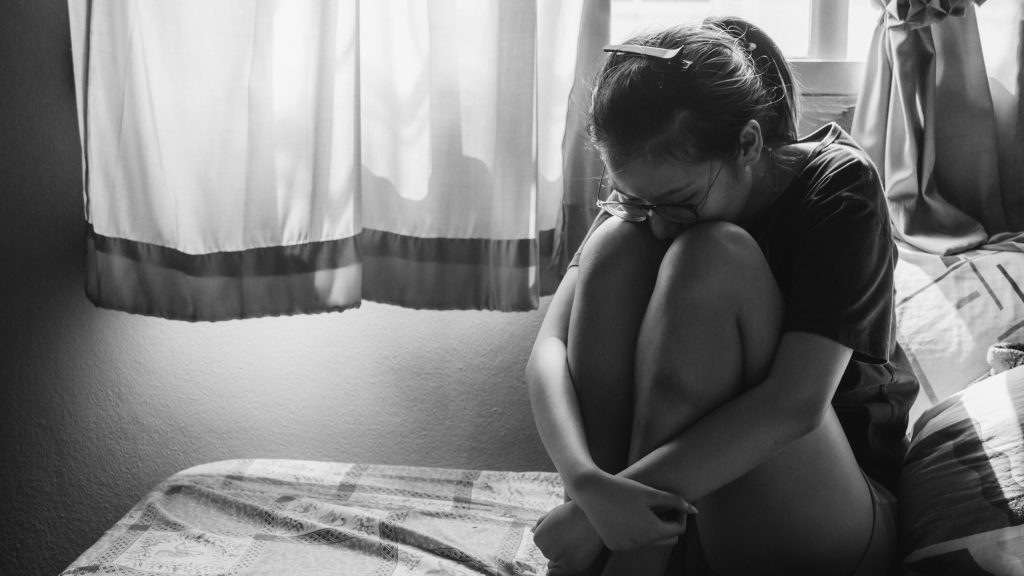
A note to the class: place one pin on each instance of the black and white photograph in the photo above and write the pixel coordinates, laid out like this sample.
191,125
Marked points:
511,287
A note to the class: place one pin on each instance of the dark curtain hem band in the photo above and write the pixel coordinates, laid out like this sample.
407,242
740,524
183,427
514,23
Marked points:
313,256
429,273
272,261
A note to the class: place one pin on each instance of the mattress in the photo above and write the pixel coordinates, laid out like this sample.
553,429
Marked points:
266,516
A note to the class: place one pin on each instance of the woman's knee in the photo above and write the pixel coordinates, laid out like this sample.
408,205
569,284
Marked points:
714,252
620,249
713,320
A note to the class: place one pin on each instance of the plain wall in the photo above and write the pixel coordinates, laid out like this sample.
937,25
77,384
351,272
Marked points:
98,406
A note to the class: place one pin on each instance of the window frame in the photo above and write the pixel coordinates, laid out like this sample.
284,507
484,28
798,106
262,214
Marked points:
828,77
828,70
830,29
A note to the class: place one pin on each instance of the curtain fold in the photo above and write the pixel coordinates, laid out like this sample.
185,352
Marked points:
926,117
252,158
582,167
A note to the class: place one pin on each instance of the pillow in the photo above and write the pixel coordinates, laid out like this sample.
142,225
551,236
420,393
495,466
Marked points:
950,309
962,485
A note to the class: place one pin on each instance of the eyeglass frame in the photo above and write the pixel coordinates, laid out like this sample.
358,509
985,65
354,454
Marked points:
649,209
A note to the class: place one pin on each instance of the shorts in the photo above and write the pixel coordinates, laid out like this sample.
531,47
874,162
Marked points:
880,555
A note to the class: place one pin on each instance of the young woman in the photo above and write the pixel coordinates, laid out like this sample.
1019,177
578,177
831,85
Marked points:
724,340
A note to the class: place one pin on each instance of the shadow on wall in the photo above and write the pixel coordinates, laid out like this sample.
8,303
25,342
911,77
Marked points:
41,232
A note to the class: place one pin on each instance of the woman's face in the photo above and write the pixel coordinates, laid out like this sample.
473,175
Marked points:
715,189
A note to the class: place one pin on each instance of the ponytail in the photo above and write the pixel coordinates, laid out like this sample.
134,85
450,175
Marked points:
780,123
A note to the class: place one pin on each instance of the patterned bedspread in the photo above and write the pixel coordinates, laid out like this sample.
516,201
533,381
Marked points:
950,309
271,517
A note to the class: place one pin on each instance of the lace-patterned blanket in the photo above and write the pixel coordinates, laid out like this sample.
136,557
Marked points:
273,517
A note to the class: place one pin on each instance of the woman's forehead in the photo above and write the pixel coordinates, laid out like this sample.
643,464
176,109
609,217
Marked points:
648,163
657,181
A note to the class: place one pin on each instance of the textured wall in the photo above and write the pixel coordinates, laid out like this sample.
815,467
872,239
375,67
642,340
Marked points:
97,406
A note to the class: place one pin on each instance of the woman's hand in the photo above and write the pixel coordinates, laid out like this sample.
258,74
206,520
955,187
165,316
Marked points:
567,540
627,514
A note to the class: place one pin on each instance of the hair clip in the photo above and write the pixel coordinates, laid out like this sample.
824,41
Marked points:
665,54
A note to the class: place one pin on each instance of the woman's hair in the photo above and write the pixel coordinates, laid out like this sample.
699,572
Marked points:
644,106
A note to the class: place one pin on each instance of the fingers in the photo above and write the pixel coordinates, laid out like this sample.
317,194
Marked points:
659,499
652,533
666,534
556,570
669,529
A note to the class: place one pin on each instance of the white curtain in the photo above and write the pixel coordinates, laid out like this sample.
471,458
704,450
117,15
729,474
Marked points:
247,158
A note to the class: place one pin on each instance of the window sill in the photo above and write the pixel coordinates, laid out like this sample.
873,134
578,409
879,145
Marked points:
828,77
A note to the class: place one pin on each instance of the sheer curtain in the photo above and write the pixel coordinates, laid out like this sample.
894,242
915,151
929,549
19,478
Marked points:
247,158
927,117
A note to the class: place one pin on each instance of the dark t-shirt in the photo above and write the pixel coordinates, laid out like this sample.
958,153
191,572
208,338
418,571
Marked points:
828,242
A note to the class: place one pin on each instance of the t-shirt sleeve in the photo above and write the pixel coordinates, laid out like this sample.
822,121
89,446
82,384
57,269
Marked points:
601,217
842,284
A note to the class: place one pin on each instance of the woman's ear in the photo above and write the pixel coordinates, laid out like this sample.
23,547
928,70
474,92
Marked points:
750,144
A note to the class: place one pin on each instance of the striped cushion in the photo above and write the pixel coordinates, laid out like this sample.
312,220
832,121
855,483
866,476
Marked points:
962,486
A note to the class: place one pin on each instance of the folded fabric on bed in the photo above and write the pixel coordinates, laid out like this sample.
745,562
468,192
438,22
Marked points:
962,486
303,517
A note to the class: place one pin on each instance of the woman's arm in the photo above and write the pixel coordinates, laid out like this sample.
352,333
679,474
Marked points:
722,446
552,394
748,430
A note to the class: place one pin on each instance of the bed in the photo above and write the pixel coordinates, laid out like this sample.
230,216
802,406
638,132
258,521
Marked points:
961,501
310,518
962,485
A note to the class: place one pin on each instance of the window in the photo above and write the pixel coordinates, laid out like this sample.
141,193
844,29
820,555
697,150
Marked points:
1000,26
804,29
826,40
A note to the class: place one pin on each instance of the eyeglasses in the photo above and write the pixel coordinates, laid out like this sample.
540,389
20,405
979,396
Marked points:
638,212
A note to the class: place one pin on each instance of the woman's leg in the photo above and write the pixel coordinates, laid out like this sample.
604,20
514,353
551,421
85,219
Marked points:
617,273
710,331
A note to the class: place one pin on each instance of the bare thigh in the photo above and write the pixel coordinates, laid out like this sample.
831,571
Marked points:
617,273
807,510
710,332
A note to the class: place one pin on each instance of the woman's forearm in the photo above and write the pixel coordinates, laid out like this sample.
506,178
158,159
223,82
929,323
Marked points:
746,431
556,411
726,443
553,397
